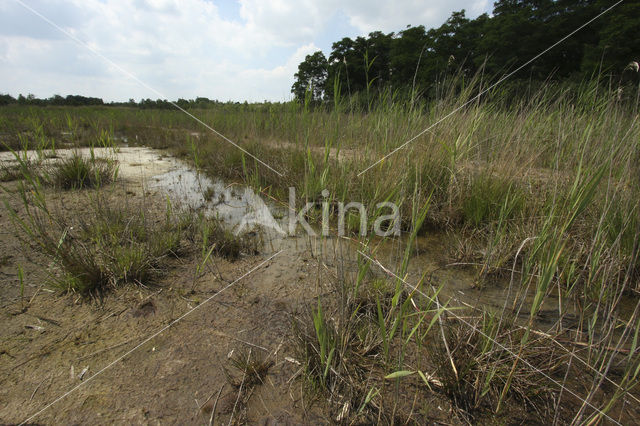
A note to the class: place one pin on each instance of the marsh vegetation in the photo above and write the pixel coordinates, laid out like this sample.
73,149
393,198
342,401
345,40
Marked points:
536,197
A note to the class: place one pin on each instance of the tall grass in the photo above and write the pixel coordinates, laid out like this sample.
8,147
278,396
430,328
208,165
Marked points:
541,189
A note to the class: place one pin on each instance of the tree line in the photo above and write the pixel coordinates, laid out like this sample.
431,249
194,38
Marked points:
78,100
70,100
415,59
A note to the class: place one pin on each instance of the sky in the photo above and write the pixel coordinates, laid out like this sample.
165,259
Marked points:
229,50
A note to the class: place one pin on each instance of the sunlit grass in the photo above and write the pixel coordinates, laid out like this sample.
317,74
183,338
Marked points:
542,190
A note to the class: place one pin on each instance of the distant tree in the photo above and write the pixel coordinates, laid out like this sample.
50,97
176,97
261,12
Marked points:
360,64
78,100
522,29
183,103
6,99
455,45
202,102
513,36
379,54
56,100
312,77
342,58
517,31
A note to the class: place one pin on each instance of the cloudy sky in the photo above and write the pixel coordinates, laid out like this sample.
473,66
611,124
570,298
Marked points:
222,49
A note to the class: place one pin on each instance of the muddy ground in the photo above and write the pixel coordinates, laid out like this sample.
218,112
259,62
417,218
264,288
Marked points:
49,339
132,356
62,353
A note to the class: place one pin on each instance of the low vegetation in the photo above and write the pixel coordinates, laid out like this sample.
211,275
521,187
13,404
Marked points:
108,243
537,195
77,172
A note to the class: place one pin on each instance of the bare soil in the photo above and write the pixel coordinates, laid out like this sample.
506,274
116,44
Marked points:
53,343
65,358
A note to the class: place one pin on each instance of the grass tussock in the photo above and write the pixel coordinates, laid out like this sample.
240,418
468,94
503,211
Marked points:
374,344
476,368
253,366
9,173
338,359
77,172
211,234
109,244
248,370
104,247
376,355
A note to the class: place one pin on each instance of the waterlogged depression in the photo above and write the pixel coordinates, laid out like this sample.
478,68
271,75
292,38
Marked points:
242,210
257,311
239,207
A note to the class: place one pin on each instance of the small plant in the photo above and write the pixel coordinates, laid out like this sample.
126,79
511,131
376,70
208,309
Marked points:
76,172
108,246
217,239
253,366
73,172
491,199
10,173
337,357
209,193
475,368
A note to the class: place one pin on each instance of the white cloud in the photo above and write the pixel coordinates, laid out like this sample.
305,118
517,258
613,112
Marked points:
184,48
388,16
279,78
287,21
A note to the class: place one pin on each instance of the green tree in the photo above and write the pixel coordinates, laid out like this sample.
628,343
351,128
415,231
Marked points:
6,99
361,63
618,41
517,31
407,51
456,45
311,77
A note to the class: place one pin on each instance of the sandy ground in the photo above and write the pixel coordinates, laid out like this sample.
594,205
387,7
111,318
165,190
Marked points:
68,359
53,344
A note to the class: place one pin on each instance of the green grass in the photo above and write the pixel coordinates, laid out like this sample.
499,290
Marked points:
487,200
77,172
104,243
104,247
542,190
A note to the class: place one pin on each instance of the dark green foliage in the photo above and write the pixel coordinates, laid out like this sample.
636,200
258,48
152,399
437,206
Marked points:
415,59
311,77
6,99
57,100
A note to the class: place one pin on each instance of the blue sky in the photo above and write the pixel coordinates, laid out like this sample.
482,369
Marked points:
222,49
